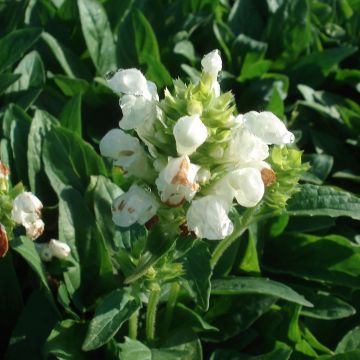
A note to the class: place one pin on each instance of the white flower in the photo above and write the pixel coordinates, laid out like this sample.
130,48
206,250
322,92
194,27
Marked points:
34,229
125,150
268,127
136,205
211,63
27,212
129,82
189,133
59,249
208,218
244,146
137,110
176,182
245,184
54,248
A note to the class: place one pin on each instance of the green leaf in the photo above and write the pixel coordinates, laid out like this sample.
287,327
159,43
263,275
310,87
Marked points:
350,342
321,165
70,116
41,125
92,273
11,301
110,315
313,68
254,285
326,307
15,44
148,50
6,80
352,355
134,350
98,36
324,200
25,342
331,259
65,340
69,160
26,248
71,64
196,263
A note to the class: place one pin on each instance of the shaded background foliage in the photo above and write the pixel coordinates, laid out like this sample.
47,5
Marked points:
296,58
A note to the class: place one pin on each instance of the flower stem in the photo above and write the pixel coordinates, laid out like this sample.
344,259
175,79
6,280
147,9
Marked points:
170,306
151,314
133,325
240,226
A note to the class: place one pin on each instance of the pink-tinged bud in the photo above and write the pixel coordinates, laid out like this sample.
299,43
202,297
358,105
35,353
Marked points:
4,241
4,176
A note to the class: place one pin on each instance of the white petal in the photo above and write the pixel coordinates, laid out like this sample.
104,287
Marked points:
189,133
129,82
268,127
35,229
136,205
119,147
244,146
176,182
59,249
248,185
137,110
208,218
44,251
211,63
28,202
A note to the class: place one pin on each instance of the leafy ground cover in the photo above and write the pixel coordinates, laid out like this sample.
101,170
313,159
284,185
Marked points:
286,289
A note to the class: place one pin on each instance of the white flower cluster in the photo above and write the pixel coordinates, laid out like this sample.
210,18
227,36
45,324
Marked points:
26,211
235,167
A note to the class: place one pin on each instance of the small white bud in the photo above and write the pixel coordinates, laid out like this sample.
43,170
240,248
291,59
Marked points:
136,205
176,182
203,176
208,218
189,133
268,127
211,63
59,249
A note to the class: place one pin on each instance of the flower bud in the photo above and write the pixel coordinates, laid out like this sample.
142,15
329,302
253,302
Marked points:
59,249
203,176
125,150
4,241
4,176
211,63
176,182
268,127
129,82
136,205
189,133
208,218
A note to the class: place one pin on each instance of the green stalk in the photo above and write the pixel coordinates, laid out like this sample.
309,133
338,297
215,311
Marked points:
133,325
170,306
240,226
151,314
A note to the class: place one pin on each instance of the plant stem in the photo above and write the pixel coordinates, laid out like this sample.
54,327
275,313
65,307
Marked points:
170,306
133,325
240,226
151,314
